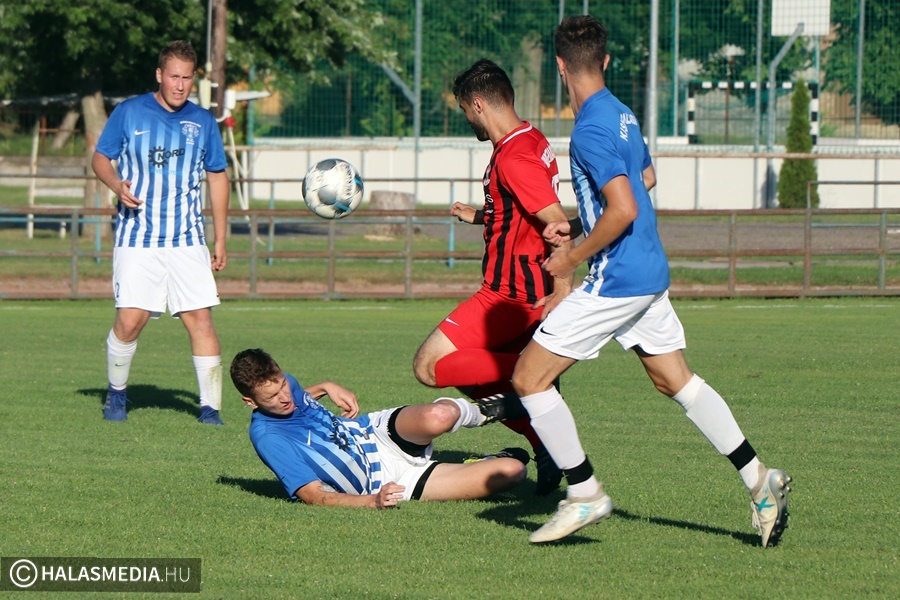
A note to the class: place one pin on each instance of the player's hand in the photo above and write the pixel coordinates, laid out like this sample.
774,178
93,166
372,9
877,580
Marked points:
557,233
463,212
220,257
343,398
125,195
560,264
389,495
561,289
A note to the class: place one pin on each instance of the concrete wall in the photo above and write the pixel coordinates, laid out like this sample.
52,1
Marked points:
696,181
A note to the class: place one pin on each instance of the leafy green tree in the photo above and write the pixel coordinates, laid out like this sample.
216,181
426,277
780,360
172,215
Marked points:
94,48
796,172
881,64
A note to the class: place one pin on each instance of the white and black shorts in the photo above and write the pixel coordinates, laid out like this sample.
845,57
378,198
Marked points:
402,462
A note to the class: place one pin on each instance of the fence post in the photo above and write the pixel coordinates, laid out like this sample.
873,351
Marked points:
254,254
732,253
74,241
331,261
408,251
882,251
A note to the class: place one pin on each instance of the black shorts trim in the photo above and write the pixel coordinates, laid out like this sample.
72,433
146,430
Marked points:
420,484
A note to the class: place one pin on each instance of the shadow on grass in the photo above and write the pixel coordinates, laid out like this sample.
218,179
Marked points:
514,514
267,488
150,396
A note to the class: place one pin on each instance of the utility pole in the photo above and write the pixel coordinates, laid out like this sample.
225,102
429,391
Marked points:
216,55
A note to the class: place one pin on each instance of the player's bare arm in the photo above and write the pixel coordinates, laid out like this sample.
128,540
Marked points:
621,211
315,493
219,193
649,175
558,232
562,286
106,173
465,213
341,396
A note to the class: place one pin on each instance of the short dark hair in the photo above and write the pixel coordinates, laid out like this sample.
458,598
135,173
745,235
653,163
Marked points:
252,368
581,42
179,49
486,79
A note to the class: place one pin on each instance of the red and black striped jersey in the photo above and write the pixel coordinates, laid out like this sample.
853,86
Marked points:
521,180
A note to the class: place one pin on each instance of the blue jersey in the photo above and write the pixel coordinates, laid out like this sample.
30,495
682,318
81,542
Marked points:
164,155
312,444
606,143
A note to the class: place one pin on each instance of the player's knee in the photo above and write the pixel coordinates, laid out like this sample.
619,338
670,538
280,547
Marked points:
510,472
442,416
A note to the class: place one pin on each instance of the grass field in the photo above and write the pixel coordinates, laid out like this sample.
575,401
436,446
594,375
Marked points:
813,383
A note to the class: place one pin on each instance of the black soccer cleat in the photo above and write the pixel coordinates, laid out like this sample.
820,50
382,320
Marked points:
519,454
549,475
501,407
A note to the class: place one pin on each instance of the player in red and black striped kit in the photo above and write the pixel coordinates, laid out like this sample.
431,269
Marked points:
476,347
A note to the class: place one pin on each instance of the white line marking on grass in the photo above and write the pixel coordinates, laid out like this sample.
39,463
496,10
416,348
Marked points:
781,306
307,308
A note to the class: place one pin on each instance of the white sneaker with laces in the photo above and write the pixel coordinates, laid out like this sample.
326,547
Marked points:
769,506
571,515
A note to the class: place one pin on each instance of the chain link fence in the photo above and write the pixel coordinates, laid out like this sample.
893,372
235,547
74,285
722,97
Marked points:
725,47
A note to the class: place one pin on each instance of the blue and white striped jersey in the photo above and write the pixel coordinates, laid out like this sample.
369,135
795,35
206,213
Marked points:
164,155
606,143
312,444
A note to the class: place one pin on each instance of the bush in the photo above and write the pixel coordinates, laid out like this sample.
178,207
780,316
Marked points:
796,172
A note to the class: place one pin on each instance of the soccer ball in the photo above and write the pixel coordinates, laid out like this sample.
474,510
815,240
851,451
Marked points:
332,188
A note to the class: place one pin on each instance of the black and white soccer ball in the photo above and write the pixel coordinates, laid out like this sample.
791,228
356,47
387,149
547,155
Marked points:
332,188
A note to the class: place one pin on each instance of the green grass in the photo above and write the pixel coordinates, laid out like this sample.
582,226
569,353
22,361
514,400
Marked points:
813,384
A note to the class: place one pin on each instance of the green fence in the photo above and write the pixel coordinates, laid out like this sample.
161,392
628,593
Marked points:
717,41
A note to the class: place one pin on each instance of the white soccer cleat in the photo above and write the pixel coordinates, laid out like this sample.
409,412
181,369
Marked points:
769,506
571,515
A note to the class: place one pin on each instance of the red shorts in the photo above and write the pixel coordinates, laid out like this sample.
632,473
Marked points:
491,321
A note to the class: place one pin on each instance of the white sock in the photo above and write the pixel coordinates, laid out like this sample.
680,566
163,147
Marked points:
118,360
586,489
209,377
554,424
469,415
752,473
709,412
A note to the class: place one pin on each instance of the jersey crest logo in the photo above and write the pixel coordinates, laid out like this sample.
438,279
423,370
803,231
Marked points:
190,130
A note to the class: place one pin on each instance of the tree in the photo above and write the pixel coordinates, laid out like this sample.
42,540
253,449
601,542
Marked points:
796,172
98,48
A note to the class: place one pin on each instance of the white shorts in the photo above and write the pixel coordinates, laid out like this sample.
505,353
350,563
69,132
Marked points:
582,324
396,465
155,278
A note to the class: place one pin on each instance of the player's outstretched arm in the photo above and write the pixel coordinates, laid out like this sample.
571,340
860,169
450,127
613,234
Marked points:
315,493
341,396
466,213
219,194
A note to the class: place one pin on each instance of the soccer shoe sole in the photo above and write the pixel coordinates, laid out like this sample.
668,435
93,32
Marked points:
554,530
777,482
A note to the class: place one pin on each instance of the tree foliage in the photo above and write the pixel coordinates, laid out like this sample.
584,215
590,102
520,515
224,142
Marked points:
796,172
881,64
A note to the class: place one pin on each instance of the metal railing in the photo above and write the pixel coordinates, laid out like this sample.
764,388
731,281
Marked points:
736,248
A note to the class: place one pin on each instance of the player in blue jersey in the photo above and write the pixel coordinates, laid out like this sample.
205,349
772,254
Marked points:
374,460
623,297
163,144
